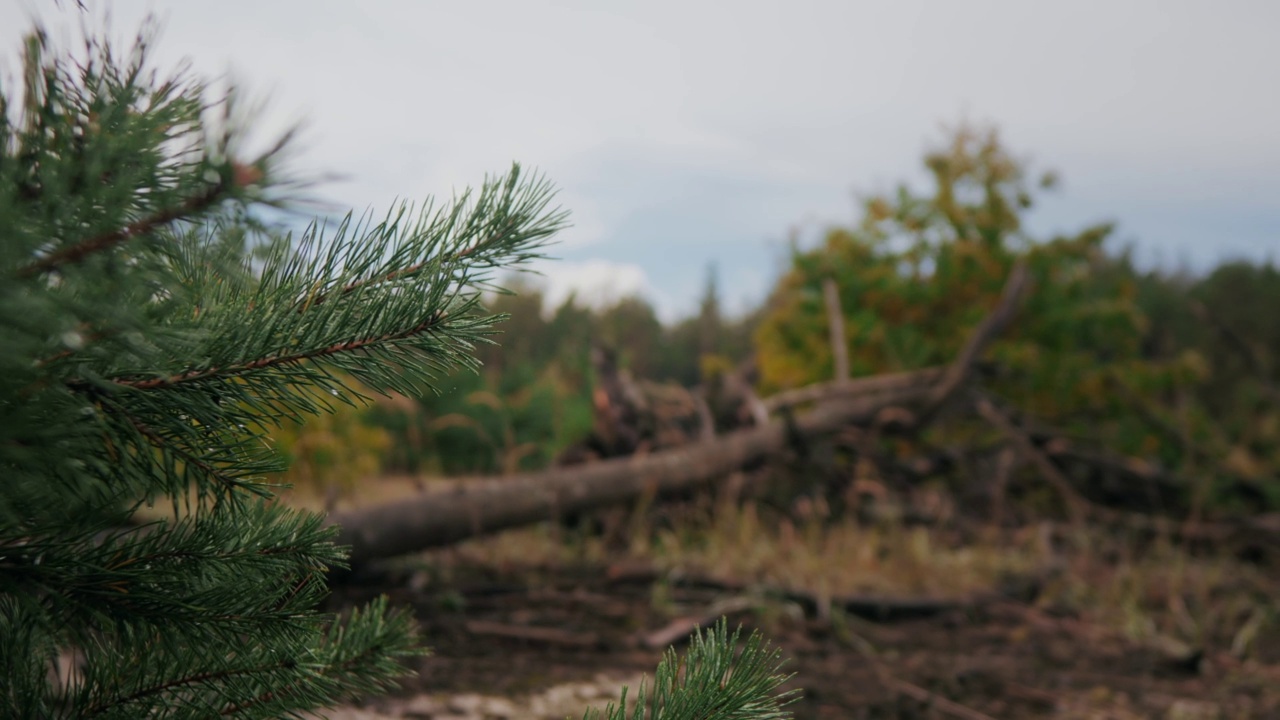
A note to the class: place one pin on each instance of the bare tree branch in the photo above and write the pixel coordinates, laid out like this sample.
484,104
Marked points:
835,326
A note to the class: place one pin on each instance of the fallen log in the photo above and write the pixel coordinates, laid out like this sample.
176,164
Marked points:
469,507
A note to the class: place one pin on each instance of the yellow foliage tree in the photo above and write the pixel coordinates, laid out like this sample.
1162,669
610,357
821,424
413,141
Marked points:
920,270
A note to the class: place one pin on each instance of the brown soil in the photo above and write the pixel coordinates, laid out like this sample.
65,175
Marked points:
997,659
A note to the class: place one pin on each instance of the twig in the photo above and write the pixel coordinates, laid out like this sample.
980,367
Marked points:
552,636
1262,529
706,422
942,704
911,690
958,371
1006,463
880,608
1072,499
1175,653
835,325
683,627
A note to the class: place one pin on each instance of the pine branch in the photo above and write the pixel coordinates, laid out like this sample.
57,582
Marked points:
269,362
75,253
465,233
228,481
712,681
151,451
356,657
406,273
186,577
203,678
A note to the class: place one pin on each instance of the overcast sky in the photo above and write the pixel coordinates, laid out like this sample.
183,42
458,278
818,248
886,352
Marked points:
687,133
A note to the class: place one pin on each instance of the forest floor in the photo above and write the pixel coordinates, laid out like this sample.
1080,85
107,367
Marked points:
511,629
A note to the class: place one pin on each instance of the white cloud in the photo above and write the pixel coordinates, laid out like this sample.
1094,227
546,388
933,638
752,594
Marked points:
595,283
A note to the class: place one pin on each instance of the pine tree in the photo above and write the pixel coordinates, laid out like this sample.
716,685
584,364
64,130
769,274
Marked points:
151,332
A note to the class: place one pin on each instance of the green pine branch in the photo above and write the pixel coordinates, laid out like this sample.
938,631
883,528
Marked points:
151,332
77,251
713,680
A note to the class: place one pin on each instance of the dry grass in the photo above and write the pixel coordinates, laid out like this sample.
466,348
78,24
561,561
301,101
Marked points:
746,544
837,557
1149,590
1159,590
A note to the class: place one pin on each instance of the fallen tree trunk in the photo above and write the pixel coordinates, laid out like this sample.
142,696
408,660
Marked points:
474,506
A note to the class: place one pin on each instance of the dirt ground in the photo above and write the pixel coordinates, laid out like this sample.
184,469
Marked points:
515,630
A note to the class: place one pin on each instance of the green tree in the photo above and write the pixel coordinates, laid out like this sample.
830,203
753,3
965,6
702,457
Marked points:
709,321
631,327
1232,413
707,340
143,350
